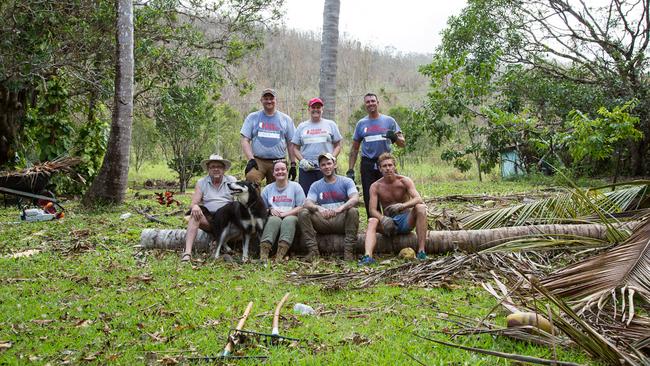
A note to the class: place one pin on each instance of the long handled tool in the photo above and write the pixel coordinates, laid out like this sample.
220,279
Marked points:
233,339
274,337
275,331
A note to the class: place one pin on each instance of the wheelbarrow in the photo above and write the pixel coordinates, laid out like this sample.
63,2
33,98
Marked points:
31,187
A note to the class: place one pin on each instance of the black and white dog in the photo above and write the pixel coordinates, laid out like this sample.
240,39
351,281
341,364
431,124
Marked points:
245,216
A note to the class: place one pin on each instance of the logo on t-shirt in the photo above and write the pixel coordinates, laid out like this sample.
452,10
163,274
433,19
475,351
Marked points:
268,133
331,196
375,128
278,199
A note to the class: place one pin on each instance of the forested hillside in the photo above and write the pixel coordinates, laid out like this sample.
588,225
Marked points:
290,63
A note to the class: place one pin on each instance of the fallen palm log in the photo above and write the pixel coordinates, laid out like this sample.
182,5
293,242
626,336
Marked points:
437,241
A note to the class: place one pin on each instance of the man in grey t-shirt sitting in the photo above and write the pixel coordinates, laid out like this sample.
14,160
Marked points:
330,208
211,192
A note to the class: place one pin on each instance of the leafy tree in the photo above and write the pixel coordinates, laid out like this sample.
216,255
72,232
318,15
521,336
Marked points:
226,131
185,120
601,49
459,89
602,137
144,140
48,123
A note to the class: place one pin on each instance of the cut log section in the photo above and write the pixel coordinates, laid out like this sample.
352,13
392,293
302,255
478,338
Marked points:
437,241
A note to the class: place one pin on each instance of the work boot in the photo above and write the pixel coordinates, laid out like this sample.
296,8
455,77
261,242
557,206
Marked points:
283,248
313,254
265,249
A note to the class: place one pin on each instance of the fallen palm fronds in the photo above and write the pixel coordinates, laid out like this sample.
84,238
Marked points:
427,274
35,178
624,269
578,204
47,167
600,335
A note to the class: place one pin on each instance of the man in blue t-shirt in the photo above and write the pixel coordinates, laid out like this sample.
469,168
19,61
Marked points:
313,137
330,208
265,136
374,134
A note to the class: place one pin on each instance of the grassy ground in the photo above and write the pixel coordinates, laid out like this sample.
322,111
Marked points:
88,298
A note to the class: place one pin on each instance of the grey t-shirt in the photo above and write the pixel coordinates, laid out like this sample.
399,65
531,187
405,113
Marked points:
216,197
369,132
315,138
332,195
269,134
283,199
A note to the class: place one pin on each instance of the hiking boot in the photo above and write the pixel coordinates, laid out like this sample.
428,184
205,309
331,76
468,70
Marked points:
265,249
283,248
367,260
313,254
422,256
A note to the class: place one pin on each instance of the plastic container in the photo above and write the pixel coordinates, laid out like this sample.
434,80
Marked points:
303,309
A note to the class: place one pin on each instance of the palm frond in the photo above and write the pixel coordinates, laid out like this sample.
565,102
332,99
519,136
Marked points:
578,205
542,242
617,275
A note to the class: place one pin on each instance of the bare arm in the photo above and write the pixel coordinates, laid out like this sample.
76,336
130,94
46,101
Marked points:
372,204
246,147
291,153
352,201
197,198
354,151
310,205
413,193
337,148
296,151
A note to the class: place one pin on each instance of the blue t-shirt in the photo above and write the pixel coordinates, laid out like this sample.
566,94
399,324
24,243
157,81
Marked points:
269,134
369,133
284,199
315,138
332,195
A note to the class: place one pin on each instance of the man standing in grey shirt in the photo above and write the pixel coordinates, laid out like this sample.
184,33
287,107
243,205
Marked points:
265,136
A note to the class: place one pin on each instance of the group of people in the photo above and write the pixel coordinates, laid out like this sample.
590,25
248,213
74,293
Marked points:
321,201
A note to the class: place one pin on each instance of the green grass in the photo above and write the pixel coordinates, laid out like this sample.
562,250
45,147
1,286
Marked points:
87,299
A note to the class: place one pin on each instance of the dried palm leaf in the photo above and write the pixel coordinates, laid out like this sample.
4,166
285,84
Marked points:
578,205
597,280
582,333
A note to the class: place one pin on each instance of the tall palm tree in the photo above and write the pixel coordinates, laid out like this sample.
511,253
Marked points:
110,184
328,52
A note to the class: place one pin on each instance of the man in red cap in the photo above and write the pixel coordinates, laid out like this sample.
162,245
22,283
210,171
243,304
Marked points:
312,138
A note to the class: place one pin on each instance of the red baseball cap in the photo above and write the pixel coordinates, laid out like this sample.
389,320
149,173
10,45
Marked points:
313,101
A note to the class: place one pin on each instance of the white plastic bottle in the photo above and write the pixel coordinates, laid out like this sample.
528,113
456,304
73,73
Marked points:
303,309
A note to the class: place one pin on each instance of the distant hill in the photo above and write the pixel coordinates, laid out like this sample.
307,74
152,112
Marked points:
290,63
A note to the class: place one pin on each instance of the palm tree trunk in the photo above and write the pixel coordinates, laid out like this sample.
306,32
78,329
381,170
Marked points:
110,184
328,53
437,241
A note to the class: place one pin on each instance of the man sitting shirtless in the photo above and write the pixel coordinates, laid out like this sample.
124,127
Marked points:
403,209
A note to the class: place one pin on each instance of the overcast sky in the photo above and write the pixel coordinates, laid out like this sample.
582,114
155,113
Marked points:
407,25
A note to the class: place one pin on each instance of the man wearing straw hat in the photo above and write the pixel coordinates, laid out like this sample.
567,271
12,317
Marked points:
211,192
